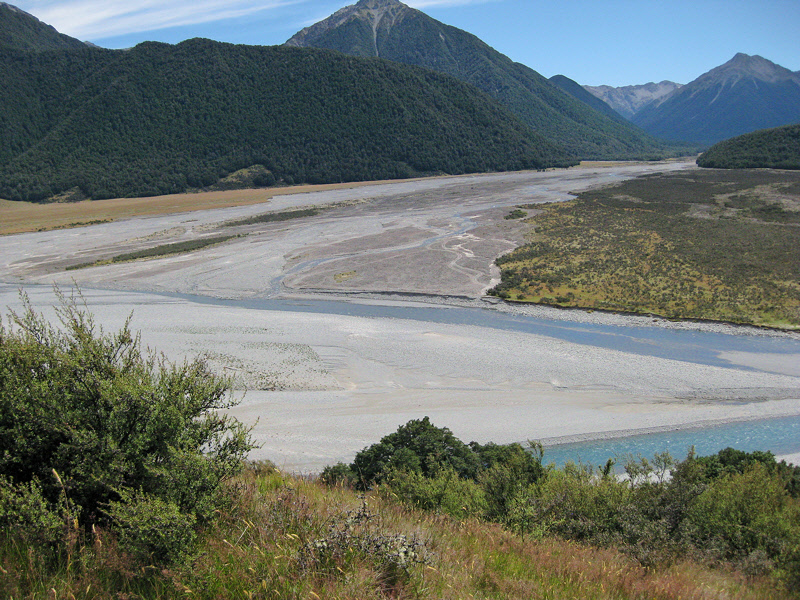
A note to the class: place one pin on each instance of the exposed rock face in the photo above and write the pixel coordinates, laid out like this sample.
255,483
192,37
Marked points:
379,15
745,94
630,99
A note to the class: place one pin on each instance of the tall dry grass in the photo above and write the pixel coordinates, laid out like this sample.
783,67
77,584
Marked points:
267,545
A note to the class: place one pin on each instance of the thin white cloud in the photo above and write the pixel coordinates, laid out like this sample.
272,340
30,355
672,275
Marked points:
98,19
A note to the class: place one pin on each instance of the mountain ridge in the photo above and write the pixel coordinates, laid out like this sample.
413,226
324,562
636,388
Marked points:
22,31
161,119
745,94
393,31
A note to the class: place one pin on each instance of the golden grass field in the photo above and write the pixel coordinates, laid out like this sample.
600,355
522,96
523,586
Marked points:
20,217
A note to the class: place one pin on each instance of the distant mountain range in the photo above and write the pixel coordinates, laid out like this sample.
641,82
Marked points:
745,94
391,30
630,99
85,122
77,121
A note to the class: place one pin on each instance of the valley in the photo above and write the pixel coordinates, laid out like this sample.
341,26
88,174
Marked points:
343,324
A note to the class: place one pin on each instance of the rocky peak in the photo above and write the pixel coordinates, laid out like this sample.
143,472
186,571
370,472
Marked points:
15,9
746,67
376,13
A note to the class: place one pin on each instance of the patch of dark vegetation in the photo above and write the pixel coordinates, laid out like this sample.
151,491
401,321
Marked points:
517,213
158,251
717,245
275,217
777,148
76,224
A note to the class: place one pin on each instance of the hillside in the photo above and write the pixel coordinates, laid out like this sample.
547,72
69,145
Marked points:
23,31
574,89
391,30
162,119
745,94
630,99
777,148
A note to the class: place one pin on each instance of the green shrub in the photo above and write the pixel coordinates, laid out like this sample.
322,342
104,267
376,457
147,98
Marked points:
90,407
150,528
25,512
444,492
746,514
416,446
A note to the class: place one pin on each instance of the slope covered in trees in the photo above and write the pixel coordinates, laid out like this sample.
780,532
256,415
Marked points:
391,30
22,31
161,119
777,148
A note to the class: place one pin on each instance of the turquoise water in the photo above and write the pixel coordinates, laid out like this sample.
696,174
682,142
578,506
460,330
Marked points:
777,435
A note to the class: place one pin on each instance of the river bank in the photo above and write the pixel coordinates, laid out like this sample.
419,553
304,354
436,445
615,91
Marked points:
402,330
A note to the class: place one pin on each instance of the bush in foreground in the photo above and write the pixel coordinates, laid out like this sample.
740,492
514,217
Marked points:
95,434
734,508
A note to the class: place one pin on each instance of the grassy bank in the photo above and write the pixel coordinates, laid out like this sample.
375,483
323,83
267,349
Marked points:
288,537
718,245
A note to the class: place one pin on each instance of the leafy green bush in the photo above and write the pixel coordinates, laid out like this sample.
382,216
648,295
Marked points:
86,419
746,514
150,528
444,492
416,446
24,510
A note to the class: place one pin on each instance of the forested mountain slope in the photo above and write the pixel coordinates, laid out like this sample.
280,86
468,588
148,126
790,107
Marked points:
391,30
161,119
777,148
23,31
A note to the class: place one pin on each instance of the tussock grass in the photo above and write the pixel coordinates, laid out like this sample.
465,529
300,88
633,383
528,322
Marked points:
716,245
259,548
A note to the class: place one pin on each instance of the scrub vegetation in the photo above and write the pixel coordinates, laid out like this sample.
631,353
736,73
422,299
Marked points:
718,245
159,251
120,477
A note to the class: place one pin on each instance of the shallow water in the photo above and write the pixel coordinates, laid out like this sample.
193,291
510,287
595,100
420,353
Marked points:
778,435
702,347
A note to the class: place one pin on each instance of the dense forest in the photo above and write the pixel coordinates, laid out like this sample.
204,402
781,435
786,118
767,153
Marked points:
777,148
162,119
411,37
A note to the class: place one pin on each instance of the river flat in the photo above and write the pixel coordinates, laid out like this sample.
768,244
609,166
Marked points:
321,383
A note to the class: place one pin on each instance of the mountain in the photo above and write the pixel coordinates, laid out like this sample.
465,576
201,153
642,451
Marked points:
777,148
391,30
745,94
161,119
574,89
23,31
630,99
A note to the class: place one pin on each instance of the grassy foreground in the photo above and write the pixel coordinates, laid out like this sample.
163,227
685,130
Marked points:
289,537
718,245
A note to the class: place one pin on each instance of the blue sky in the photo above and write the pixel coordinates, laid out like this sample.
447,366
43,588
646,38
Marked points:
614,42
